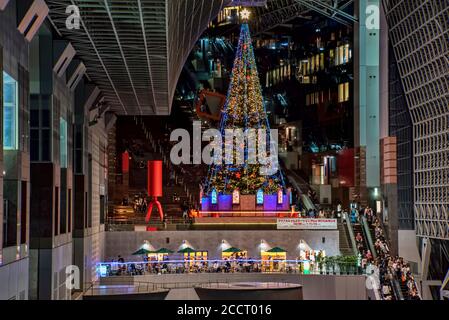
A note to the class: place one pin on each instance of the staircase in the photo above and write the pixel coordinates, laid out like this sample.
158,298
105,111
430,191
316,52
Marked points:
122,213
344,243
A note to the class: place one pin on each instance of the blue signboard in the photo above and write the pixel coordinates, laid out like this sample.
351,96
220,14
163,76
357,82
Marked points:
213,197
259,197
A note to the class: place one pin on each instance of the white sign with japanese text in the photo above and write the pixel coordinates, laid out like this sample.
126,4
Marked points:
306,224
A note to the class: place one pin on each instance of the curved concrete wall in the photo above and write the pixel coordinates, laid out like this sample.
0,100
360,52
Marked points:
134,296
287,293
315,287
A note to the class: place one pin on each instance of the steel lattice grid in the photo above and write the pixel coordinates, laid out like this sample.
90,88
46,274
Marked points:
419,31
132,47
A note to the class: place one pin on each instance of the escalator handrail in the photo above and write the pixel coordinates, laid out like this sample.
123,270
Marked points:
368,237
351,233
294,178
397,289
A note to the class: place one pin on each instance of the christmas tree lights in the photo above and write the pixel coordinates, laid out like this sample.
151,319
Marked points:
244,109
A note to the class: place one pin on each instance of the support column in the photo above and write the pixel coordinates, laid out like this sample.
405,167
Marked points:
367,100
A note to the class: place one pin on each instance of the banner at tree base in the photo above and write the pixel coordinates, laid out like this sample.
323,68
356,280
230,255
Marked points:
307,224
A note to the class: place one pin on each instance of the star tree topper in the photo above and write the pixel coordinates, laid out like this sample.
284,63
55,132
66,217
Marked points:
245,14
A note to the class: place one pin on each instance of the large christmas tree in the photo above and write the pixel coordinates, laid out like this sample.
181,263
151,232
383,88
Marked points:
244,109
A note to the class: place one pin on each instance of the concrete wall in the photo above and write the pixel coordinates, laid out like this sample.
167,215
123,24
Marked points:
50,253
14,257
315,287
98,142
14,280
61,258
125,243
408,247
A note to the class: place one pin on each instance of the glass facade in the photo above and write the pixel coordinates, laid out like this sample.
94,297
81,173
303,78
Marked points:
63,143
10,110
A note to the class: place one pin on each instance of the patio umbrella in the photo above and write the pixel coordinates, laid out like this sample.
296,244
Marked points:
141,252
164,251
187,250
232,250
276,250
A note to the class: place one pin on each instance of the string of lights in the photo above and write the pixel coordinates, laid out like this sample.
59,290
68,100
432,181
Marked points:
244,109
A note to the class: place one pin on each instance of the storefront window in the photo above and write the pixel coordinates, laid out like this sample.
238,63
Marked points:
343,92
347,91
347,53
341,54
332,57
10,110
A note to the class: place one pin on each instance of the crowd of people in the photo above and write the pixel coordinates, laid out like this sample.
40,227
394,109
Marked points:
391,268
140,204
197,266
309,261
355,215
213,266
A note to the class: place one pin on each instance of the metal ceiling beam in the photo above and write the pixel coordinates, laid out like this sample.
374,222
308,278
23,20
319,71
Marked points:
150,73
137,61
108,10
101,60
278,12
333,12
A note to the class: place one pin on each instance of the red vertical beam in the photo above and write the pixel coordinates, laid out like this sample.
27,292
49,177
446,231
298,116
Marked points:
125,162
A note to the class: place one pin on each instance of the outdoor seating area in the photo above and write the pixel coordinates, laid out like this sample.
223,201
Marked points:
186,259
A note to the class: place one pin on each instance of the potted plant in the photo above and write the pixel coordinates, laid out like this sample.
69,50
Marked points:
340,263
320,261
352,263
330,264
347,263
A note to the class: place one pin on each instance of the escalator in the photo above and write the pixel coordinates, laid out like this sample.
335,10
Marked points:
404,290
369,236
350,233
308,204
302,188
358,229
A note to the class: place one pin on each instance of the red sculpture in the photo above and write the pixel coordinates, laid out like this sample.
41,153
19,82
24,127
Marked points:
154,187
125,162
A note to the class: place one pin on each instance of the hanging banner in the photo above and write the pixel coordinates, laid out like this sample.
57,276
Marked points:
280,197
236,197
307,224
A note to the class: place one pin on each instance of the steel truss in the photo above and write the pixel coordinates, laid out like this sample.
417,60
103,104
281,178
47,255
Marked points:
135,49
278,12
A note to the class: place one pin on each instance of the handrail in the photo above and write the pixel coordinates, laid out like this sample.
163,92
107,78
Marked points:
294,178
368,237
119,287
109,270
397,289
351,233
